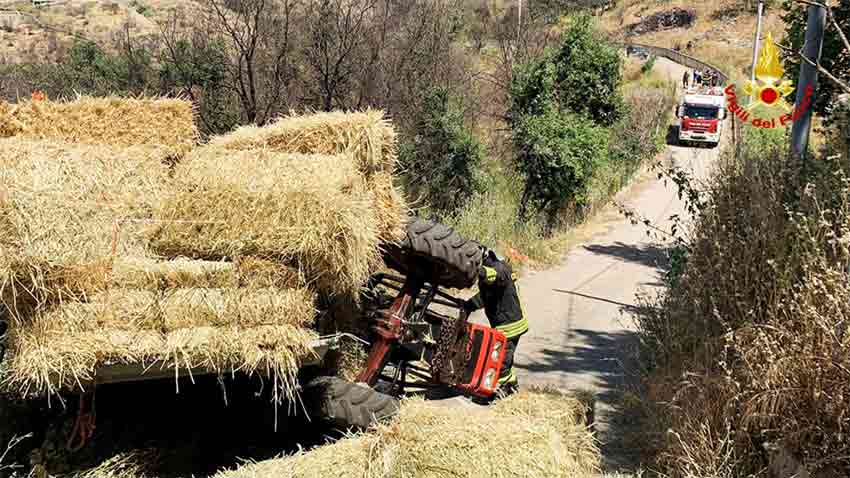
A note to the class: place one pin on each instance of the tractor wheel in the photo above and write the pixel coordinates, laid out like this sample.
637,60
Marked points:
438,252
348,405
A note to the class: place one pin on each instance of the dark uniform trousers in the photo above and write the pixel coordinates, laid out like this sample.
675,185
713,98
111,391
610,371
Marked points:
499,297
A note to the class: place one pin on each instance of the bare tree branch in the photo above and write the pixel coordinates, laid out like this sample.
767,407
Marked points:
821,69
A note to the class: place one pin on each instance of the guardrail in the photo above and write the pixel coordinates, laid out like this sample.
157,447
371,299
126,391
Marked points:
680,58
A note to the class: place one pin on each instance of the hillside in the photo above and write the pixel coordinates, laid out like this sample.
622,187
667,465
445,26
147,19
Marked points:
717,31
28,33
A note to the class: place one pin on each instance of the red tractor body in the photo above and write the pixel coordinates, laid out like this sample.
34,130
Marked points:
464,355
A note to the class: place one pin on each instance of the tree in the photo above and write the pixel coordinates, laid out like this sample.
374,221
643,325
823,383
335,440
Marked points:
261,61
195,65
835,57
337,32
441,158
561,105
558,155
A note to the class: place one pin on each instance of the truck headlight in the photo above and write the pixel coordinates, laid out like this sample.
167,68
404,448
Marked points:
489,378
494,355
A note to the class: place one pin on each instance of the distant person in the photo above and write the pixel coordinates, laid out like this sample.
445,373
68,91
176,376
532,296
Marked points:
697,77
685,80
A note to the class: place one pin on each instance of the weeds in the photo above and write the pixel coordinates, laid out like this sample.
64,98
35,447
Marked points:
749,344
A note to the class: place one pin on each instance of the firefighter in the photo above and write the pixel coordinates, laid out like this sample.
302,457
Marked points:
685,79
499,297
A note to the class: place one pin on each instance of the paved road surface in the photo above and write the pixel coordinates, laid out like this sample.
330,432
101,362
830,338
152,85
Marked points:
579,310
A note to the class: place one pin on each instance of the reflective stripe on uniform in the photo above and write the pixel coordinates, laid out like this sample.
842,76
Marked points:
514,328
490,275
507,377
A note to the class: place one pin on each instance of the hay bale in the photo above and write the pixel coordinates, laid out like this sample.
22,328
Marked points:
166,123
312,212
65,206
368,136
390,206
526,435
147,273
220,329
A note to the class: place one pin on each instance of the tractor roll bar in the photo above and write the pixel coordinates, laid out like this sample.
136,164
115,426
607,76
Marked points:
395,283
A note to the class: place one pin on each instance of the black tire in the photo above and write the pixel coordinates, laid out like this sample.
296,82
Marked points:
437,252
348,405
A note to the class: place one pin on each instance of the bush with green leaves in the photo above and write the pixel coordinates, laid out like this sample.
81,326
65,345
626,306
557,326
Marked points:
561,105
441,155
647,67
582,75
559,152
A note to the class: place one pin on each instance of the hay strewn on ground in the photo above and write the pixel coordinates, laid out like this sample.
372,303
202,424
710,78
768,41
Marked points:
312,212
221,329
65,206
368,136
166,123
531,434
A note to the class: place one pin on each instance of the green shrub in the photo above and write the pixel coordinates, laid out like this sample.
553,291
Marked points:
441,155
589,72
582,75
647,67
560,106
558,155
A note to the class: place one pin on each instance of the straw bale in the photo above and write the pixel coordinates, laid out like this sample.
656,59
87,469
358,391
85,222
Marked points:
152,274
312,212
65,206
130,464
167,123
220,329
390,206
367,135
525,435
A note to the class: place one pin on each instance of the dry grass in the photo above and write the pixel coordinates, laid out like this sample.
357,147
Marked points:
721,35
313,212
532,434
64,207
254,330
165,123
750,345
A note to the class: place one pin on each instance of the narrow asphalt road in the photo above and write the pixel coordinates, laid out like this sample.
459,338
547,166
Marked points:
580,333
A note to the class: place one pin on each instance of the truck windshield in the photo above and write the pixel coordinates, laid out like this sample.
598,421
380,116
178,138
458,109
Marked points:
700,112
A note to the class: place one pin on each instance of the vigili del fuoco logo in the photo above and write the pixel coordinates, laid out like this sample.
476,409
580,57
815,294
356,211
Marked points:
768,108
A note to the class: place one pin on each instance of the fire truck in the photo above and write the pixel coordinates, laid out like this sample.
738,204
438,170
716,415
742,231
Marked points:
701,118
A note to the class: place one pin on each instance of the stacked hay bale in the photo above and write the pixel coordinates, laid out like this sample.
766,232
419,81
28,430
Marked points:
367,136
166,123
313,212
115,254
532,434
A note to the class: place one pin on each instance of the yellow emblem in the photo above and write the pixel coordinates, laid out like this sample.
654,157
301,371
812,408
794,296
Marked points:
769,89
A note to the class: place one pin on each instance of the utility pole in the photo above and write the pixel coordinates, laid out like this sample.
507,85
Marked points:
756,44
808,78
